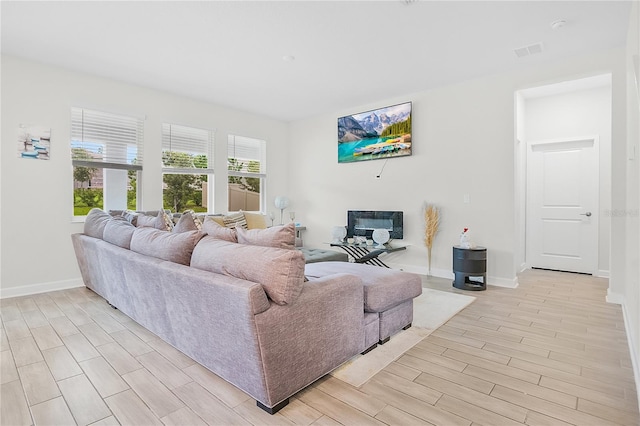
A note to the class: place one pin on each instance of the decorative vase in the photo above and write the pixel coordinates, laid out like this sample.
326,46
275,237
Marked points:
465,239
338,233
380,236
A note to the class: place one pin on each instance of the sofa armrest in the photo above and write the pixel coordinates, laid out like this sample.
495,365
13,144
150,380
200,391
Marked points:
302,342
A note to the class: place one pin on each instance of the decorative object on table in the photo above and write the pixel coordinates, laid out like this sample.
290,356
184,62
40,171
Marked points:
338,233
281,202
375,134
365,252
34,142
359,240
292,216
465,239
272,216
431,223
380,236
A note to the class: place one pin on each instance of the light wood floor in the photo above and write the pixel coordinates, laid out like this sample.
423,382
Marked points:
551,352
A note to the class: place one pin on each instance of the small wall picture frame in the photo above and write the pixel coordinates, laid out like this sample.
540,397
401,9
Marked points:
34,142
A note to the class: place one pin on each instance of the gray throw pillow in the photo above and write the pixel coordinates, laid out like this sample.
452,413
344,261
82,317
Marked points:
277,236
214,229
279,271
95,222
165,245
188,222
119,233
160,221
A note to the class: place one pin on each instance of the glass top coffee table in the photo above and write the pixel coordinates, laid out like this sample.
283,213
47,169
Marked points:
368,254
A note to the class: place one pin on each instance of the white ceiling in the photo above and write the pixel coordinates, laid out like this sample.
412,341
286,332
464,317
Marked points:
347,53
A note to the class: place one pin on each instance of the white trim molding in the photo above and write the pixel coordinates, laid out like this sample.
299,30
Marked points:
635,361
30,289
602,273
448,274
616,298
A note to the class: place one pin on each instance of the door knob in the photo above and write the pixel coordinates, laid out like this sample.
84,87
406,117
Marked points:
587,214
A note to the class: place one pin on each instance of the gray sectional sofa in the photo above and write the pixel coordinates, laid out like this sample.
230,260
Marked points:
244,309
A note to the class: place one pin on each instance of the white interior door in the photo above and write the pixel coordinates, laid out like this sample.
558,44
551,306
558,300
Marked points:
562,205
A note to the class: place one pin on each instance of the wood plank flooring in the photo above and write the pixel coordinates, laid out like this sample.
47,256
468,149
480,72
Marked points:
551,352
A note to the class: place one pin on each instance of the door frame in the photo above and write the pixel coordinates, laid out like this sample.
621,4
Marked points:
560,85
568,141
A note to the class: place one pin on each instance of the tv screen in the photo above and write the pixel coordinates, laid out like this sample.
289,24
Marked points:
363,222
375,134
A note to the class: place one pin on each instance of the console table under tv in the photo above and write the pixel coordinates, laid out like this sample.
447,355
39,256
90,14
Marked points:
363,253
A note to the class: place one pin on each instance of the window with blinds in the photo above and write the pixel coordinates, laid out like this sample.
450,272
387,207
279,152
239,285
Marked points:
247,172
186,148
187,166
113,141
246,156
106,154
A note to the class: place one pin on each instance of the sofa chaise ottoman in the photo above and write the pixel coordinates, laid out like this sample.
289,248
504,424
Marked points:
313,255
388,296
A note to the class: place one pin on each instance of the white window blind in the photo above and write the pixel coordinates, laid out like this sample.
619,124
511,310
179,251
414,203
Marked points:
186,148
101,139
246,156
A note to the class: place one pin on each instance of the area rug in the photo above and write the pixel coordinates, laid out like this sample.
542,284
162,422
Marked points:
430,310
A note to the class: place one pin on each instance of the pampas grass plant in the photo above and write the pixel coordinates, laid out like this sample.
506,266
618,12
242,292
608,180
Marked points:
431,222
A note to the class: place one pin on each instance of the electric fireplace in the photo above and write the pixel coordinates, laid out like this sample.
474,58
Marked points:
363,222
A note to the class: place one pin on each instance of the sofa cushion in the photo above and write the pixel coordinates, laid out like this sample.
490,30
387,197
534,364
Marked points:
160,221
277,236
235,220
212,227
128,215
119,232
174,247
132,217
219,219
313,255
279,271
95,222
255,220
188,222
146,221
383,287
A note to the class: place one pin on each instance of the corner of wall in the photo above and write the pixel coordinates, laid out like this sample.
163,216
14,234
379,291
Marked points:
615,298
635,361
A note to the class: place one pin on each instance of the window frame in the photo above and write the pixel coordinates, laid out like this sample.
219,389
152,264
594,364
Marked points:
262,175
188,145
113,132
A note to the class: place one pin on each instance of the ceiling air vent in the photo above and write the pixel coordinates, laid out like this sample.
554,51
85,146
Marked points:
532,49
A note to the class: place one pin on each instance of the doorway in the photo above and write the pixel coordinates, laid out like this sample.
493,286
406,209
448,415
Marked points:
562,204
563,177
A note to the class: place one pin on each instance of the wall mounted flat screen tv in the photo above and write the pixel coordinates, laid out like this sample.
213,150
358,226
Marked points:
376,134
363,222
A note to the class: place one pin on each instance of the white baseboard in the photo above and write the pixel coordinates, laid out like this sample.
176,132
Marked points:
602,273
635,361
616,298
503,282
26,290
448,274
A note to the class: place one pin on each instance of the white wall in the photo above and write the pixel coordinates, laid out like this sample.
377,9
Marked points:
37,209
463,141
520,162
579,114
629,292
